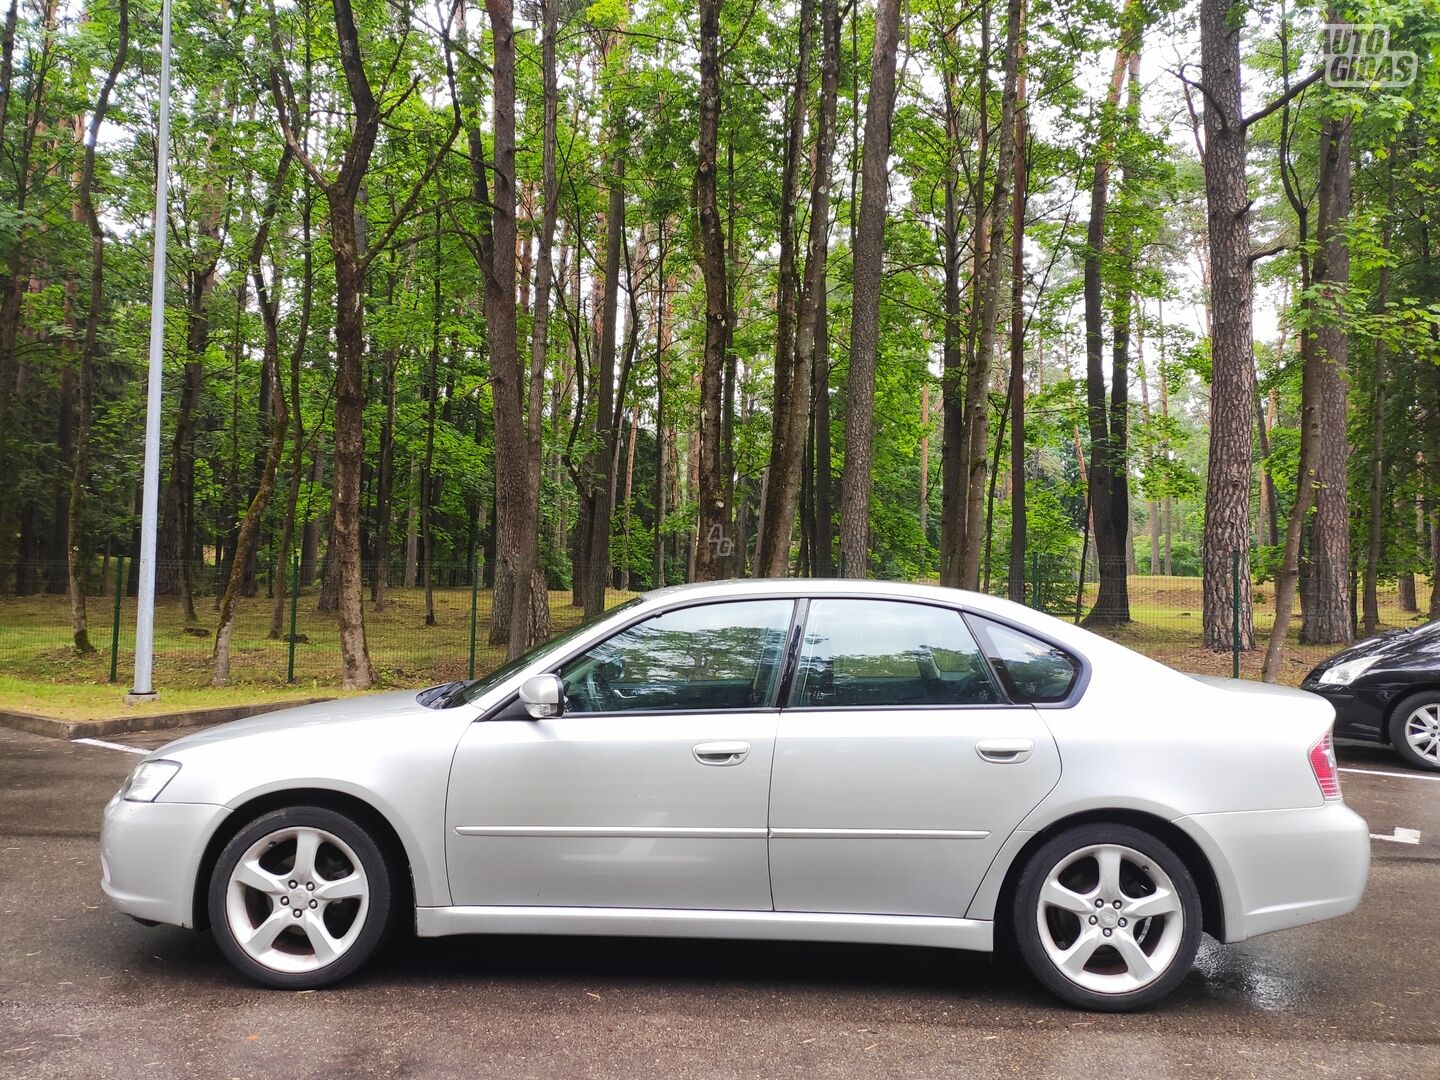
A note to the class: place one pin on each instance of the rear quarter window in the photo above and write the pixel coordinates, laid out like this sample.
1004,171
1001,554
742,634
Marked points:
1033,671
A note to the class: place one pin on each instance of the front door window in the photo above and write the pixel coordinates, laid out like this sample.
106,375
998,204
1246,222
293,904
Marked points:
697,659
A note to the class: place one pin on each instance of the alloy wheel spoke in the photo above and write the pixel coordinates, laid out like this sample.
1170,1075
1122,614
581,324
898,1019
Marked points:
1074,959
1108,859
307,843
249,872
265,934
350,887
326,947
1057,895
1160,902
1137,962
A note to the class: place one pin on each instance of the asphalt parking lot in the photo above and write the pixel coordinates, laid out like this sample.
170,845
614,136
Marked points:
86,992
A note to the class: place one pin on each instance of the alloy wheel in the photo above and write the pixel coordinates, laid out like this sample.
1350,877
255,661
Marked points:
297,899
1110,919
1422,732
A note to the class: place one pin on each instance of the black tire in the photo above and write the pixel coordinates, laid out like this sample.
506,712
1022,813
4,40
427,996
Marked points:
1025,916
375,911
1399,717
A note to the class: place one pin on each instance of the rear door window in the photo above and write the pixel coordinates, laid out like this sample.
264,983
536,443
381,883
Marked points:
882,653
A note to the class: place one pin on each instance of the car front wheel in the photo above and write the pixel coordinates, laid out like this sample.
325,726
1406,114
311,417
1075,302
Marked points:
300,898
1107,917
1415,730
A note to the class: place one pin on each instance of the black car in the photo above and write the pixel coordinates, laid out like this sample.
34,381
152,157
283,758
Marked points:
1386,689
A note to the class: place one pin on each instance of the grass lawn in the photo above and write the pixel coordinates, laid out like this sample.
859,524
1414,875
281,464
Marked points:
41,673
1166,613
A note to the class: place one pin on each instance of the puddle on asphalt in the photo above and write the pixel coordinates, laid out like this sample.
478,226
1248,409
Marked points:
1235,974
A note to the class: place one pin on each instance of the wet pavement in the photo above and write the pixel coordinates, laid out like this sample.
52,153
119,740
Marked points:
86,992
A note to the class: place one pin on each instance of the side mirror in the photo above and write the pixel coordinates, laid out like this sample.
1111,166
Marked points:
543,696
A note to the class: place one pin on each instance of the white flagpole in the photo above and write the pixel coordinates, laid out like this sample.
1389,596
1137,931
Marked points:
143,688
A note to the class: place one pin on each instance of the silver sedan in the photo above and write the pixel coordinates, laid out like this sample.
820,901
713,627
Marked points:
811,760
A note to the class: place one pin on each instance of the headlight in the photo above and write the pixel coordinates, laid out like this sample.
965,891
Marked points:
148,780
1346,673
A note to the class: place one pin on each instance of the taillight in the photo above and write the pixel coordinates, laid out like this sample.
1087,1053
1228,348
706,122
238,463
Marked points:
1322,764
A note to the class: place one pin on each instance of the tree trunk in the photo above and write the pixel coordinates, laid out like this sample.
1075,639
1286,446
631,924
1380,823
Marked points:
344,547
790,409
599,474
976,435
1287,577
514,497
284,577
953,357
352,258
74,548
428,485
250,525
412,529
1377,425
384,495
1016,575
824,531
1108,490
856,476
529,609
1227,490
1327,611
711,541
629,494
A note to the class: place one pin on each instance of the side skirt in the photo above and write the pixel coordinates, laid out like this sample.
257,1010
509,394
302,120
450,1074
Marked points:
923,930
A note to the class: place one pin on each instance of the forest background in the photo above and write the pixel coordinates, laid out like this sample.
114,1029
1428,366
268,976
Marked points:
536,303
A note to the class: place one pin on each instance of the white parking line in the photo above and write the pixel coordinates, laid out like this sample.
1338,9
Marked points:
1377,772
1399,836
111,745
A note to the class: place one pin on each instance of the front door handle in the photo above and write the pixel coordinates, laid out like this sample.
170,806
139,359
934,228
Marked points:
721,753
1004,751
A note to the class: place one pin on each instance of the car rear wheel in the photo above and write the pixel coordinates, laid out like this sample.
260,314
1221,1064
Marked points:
1107,917
300,898
1415,730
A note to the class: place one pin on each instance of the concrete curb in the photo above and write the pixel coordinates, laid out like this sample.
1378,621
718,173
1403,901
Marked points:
123,725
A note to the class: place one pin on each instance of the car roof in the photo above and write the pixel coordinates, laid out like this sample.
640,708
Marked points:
1064,633
751,587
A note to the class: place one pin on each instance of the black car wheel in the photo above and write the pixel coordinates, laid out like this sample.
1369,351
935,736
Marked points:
1415,729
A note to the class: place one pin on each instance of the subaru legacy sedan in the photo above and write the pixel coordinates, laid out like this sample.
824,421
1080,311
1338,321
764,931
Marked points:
835,761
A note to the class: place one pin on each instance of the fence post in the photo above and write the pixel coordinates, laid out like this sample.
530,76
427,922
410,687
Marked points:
1036,600
474,604
115,622
1235,614
294,606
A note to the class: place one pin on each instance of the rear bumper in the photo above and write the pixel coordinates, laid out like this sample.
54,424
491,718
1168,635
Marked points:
1282,868
150,853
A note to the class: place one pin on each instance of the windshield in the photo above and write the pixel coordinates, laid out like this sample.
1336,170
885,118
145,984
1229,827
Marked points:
468,692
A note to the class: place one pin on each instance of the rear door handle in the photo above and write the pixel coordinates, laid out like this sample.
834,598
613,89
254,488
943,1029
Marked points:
721,753
1004,751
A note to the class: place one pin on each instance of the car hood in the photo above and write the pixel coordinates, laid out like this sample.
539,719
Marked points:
1413,646
397,706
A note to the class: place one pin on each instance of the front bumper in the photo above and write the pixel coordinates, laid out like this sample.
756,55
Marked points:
1283,868
1360,711
150,854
